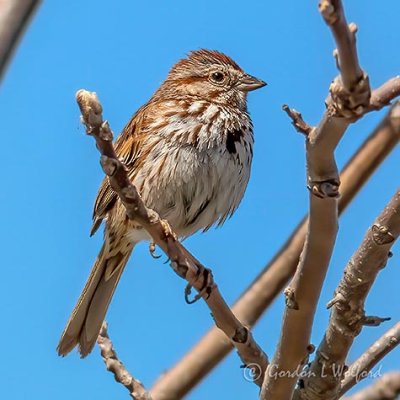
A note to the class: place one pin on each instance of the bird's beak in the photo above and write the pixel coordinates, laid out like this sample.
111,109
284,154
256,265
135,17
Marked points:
248,83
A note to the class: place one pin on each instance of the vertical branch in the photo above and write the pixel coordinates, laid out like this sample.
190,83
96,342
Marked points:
349,99
333,14
14,17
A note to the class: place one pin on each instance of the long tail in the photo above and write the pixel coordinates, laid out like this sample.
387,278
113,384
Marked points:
87,317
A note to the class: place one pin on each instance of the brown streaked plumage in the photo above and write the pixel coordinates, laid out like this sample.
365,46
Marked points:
189,152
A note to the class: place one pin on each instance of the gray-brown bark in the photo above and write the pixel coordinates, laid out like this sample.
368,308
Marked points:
117,368
14,17
385,388
349,99
348,315
376,352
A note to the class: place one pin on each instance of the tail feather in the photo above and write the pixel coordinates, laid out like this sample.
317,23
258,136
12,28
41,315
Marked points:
85,322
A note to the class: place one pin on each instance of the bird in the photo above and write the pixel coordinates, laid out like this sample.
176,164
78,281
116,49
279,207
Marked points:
188,151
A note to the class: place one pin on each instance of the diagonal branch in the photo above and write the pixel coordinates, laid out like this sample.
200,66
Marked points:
348,316
182,262
214,346
14,17
383,95
115,366
363,365
385,388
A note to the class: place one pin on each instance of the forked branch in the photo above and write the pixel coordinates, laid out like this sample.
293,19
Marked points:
348,100
348,315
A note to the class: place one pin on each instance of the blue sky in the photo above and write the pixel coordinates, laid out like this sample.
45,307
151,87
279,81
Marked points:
123,51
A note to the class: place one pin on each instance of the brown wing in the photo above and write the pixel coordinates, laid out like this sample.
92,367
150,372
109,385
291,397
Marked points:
127,149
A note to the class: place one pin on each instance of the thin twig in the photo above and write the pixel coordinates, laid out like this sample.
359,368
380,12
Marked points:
297,120
214,346
385,388
136,389
376,352
14,17
182,262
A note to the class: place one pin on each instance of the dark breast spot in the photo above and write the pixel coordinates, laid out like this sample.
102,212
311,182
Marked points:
198,213
231,138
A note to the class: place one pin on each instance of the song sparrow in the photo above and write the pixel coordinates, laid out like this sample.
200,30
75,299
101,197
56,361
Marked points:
188,151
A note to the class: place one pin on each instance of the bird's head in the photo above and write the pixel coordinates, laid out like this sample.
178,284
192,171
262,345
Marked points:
212,76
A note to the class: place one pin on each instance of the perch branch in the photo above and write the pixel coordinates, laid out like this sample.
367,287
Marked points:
182,262
348,316
115,366
385,388
375,353
348,100
214,346
14,17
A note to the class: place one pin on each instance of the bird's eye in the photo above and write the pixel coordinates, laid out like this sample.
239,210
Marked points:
217,77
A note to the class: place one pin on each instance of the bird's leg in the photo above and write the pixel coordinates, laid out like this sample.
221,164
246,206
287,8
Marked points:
168,232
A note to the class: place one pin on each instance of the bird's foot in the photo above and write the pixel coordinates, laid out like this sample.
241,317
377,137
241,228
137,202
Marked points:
206,288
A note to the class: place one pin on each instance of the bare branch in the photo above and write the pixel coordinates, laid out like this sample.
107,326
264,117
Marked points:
115,366
333,14
14,17
383,95
182,262
214,346
385,388
364,364
348,100
297,120
348,316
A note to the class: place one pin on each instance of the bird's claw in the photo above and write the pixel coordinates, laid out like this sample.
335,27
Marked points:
205,290
152,250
